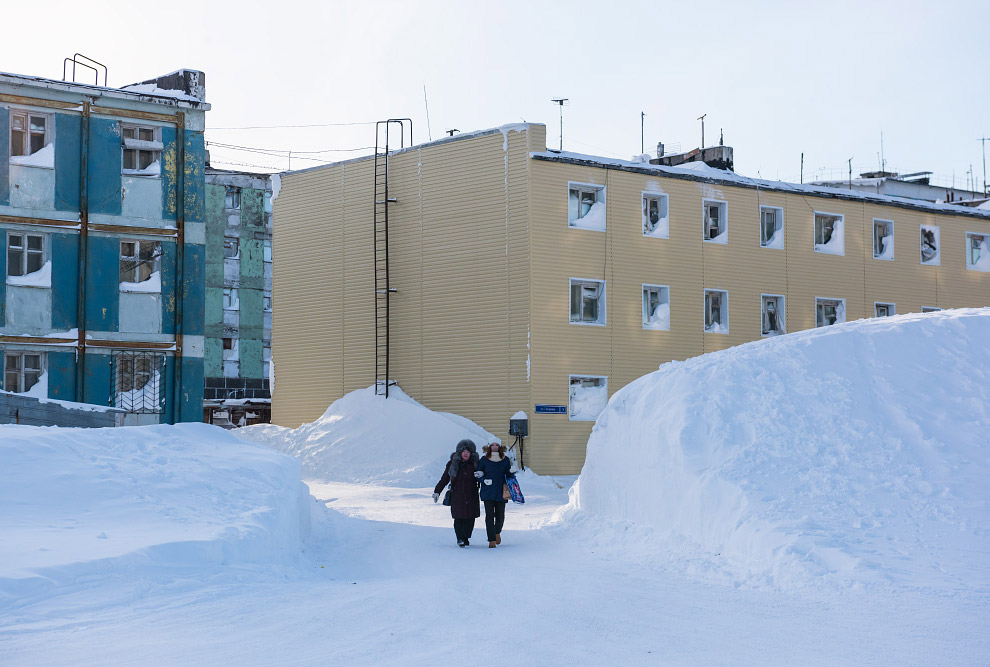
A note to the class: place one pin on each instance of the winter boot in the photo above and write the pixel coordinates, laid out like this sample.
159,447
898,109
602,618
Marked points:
491,545
461,543
498,539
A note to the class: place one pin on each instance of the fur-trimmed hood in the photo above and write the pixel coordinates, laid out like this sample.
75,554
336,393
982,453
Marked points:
455,458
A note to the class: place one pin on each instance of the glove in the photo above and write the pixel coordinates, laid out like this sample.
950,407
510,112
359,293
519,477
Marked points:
478,474
436,497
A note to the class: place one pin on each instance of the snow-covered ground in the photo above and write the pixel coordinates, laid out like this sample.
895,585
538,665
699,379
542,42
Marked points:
712,524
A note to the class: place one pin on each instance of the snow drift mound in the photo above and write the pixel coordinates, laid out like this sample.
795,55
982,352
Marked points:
73,500
367,439
855,453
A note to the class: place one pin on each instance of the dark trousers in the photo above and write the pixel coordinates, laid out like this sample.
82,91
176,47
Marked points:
494,517
463,529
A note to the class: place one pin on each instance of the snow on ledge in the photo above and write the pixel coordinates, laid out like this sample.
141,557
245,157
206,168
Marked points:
153,285
45,158
40,278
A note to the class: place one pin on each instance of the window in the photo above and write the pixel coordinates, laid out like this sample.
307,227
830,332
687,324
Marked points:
231,248
28,132
142,149
586,206
268,202
930,309
230,298
829,312
587,301
930,245
139,260
25,253
883,239
21,370
267,301
772,312
228,343
883,309
829,234
268,251
977,251
771,227
587,397
232,199
656,307
656,221
716,220
716,311
137,381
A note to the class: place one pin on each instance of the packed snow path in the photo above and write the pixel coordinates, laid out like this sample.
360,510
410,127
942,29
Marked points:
382,582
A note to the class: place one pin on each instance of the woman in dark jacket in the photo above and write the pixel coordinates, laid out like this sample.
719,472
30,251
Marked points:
495,469
462,474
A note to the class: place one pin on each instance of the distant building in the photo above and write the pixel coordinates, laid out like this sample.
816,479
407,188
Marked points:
101,220
908,186
238,298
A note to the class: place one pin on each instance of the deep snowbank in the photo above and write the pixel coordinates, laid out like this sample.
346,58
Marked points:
79,501
366,439
859,452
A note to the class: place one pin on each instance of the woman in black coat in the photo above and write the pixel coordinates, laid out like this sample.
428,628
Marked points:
462,474
495,469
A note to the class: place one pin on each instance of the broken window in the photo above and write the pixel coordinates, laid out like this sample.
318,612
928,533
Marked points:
883,309
977,251
883,239
142,149
137,381
930,245
829,312
268,251
25,253
231,248
139,260
773,315
716,220
228,343
230,298
232,199
829,234
771,227
656,307
22,370
28,132
587,301
716,311
656,222
267,301
586,206
587,397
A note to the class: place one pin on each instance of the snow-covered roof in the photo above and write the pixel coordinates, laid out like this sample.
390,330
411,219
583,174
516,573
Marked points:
134,93
699,171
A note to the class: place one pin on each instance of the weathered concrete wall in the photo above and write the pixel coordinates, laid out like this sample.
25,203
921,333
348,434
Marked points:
18,409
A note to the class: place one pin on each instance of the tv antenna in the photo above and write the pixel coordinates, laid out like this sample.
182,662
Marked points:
984,140
702,119
561,101
451,131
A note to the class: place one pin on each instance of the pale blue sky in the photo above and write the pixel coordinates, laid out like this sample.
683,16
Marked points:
778,77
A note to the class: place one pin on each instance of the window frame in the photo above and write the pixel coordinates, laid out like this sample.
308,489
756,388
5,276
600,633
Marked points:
232,194
723,211
723,311
138,146
47,138
970,265
155,260
779,214
231,298
892,307
584,376
26,252
599,192
666,290
837,301
839,217
9,354
602,320
782,300
877,255
235,244
937,261
659,196
128,368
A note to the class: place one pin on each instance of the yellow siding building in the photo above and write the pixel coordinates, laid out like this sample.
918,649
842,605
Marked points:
526,277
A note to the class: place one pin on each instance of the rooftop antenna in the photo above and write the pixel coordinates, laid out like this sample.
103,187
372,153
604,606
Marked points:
802,167
851,173
883,160
451,131
984,140
429,130
560,101
702,119
642,142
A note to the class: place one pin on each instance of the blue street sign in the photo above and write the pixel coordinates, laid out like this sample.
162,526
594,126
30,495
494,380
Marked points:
551,409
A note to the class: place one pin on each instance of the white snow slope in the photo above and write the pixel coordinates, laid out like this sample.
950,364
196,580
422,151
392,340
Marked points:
851,454
368,439
75,503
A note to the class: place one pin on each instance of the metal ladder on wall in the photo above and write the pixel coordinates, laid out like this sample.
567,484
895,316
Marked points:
384,131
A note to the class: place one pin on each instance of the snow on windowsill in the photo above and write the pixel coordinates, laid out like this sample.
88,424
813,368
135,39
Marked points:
776,241
660,231
153,169
722,238
593,220
153,285
836,245
45,158
717,328
660,320
888,249
40,278
983,263
934,261
586,403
